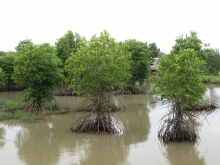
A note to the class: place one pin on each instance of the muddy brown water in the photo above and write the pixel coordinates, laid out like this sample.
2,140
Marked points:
50,142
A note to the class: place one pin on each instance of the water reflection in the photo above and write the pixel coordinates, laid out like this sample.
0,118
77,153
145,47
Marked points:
135,119
37,145
183,154
51,142
44,142
113,149
212,93
69,103
14,96
106,149
2,133
48,143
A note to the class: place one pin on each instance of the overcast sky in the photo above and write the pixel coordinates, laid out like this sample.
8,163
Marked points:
159,21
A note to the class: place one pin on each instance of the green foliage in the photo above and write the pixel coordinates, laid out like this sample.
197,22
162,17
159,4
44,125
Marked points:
10,105
2,77
190,42
2,53
213,62
100,64
22,44
67,44
140,61
37,68
155,52
7,65
178,78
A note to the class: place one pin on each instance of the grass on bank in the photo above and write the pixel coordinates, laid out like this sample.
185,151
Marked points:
211,79
206,79
8,110
28,116
20,115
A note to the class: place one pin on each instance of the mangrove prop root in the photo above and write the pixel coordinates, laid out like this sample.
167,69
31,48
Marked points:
93,123
89,106
106,103
95,115
178,126
36,106
176,131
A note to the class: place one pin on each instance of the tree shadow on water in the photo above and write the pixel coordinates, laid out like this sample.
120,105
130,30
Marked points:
135,119
2,133
184,153
48,142
106,149
37,145
114,149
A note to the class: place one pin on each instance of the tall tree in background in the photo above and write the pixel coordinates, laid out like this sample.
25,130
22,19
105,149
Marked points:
155,51
37,68
140,62
22,44
2,77
95,68
191,42
2,53
213,62
7,65
67,44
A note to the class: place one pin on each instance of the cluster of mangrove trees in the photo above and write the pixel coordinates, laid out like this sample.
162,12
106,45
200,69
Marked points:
94,68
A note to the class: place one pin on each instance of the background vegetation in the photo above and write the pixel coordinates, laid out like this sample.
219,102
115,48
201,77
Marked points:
102,64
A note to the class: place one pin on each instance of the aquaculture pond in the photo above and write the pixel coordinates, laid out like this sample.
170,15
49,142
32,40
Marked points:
50,141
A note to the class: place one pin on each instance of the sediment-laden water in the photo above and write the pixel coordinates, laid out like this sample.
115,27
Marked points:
50,142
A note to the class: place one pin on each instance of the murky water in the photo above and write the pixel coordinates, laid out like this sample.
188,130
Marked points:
50,142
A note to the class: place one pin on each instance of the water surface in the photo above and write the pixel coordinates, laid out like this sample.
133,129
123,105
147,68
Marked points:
50,142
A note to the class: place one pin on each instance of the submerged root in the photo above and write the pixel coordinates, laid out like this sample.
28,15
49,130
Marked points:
95,115
62,91
36,106
204,106
129,91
